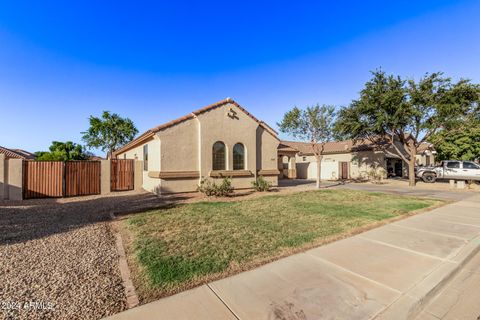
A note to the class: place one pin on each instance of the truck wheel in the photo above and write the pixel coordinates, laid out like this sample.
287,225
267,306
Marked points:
429,177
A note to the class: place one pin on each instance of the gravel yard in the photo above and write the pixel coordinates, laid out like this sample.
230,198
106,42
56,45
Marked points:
61,255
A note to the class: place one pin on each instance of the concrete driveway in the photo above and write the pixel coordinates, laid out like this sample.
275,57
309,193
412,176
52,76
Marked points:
436,190
439,190
385,273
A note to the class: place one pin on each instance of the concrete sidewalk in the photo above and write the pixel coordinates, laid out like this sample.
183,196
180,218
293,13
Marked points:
459,299
387,273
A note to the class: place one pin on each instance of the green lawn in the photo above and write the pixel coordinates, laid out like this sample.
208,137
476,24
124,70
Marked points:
179,247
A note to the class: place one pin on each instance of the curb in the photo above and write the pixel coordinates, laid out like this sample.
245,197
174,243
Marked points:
411,303
130,293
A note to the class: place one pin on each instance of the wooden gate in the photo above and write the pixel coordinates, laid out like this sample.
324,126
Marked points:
82,178
122,174
42,179
51,179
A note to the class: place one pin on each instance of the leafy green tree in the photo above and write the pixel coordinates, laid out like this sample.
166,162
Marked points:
459,143
62,151
109,132
397,116
313,124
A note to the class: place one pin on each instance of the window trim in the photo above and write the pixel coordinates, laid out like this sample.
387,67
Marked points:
243,167
145,157
214,163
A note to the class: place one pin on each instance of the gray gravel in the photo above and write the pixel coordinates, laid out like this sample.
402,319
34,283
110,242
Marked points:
58,259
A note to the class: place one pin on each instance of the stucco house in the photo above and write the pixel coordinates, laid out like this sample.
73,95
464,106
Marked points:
219,140
345,160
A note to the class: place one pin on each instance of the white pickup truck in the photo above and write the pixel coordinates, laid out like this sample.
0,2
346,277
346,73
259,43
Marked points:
451,170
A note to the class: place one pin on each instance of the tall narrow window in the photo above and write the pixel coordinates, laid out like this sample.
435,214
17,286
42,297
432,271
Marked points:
145,157
218,156
238,157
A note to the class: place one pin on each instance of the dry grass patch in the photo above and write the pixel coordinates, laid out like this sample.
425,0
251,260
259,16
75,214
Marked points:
180,247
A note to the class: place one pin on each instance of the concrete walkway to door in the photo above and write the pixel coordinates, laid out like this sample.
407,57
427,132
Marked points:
386,273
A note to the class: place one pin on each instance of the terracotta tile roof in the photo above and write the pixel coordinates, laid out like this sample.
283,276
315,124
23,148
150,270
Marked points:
425,146
149,133
330,147
333,147
17,153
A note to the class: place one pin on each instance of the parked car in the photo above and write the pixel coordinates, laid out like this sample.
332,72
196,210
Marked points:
451,170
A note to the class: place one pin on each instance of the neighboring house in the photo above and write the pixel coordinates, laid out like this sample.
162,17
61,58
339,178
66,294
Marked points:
16,154
219,140
345,160
95,158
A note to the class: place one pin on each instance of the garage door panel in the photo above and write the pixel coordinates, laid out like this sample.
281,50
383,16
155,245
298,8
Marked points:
329,170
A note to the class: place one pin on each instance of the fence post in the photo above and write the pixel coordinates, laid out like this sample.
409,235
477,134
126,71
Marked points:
15,179
138,176
3,177
105,176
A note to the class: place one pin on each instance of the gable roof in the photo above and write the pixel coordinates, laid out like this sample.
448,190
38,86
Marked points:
17,153
147,135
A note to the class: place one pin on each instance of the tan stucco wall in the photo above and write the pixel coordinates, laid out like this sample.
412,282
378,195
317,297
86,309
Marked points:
217,125
365,161
105,176
138,176
272,179
149,184
15,167
359,163
178,185
3,178
187,146
421,159
267,153
179,147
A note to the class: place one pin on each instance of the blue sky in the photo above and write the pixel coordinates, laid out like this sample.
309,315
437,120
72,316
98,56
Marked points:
151,61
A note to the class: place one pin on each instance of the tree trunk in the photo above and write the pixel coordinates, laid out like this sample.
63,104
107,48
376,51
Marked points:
319,170
411,168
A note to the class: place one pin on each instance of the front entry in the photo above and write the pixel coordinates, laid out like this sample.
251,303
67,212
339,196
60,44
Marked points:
398,169
394,167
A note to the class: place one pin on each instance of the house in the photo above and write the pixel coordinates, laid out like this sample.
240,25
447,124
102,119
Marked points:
219,140
95,158
16,154
345,160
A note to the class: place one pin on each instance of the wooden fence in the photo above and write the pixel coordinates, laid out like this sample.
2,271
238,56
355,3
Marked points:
122,175
82,178
42,179
50,179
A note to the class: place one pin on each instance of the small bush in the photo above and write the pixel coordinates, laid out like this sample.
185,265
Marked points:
260,184
376,175
210,188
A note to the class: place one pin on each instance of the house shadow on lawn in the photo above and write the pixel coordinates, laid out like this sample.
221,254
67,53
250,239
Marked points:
21,221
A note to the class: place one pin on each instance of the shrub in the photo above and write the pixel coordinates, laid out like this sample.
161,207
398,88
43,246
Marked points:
210,188
260,184
376,175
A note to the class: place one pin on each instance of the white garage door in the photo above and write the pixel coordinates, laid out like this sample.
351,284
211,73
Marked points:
329,170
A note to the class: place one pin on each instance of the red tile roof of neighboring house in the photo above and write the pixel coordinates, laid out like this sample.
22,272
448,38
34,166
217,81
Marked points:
346,146
95,158
147,135
16,153
330,147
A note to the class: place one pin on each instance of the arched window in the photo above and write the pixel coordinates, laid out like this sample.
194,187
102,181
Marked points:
218,156
238,157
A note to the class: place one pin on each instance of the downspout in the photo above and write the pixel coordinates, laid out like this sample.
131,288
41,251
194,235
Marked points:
199,141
